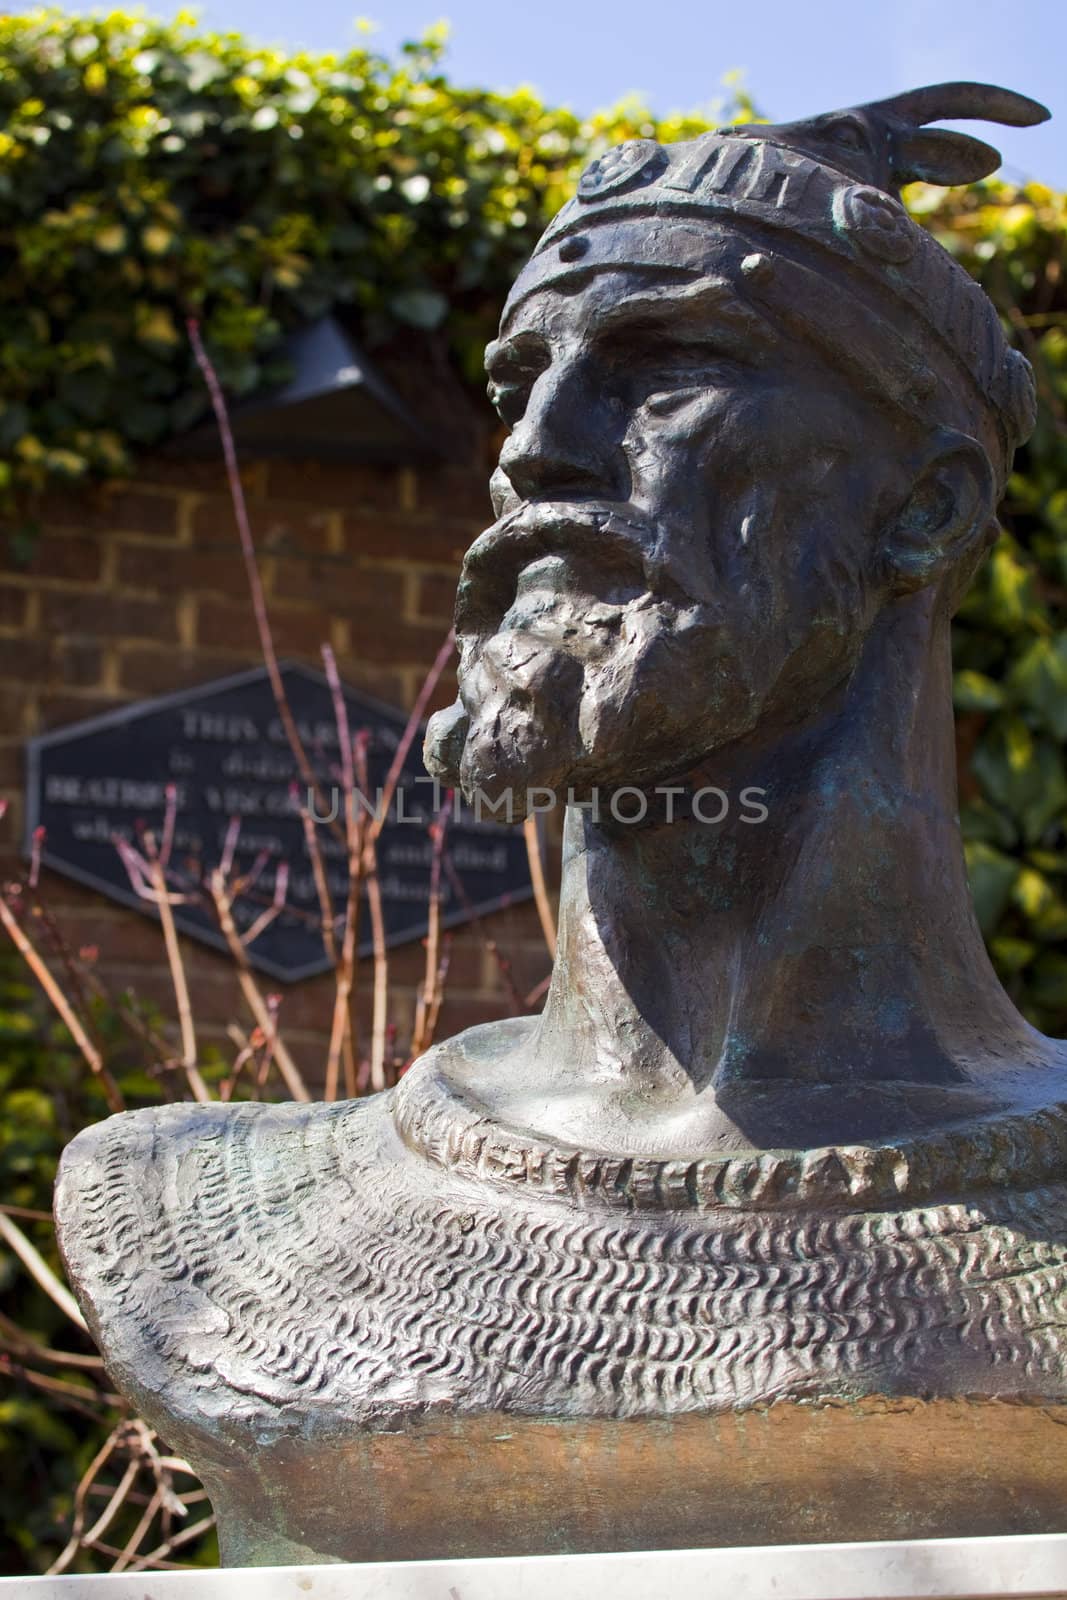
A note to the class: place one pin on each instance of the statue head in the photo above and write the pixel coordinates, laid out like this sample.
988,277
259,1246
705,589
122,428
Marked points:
752,406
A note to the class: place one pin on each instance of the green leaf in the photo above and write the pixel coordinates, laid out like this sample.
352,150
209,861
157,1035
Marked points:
422,308
992,877
1022,775
1048,981
1011,955
1012,593
973,691
1039,681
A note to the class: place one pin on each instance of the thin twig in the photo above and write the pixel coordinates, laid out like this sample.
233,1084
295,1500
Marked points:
288,1068
277,906
76,977
81,1495
369,869
341,1026
157,1557
115,1503
439,990
24,1344
503,963
396,767
39,1270
420,1034
26,950
129,1549
177,973
273,1003
322,887
248,551
532,836
537,993
75,1394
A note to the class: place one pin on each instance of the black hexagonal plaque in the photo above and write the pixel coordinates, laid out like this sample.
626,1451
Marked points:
224,748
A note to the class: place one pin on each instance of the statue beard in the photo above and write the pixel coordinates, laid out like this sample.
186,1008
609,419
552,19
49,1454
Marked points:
597,658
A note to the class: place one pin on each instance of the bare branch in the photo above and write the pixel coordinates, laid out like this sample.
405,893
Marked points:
503,963
322,887
396,767
248,551
369,868
277,906
420,1034
20,939
39,1270
540,889
81,1494
177,973
288,1068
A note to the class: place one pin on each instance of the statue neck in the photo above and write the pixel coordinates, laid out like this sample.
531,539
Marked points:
833,943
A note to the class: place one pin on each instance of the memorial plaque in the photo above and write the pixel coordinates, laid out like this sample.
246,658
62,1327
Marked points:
224,749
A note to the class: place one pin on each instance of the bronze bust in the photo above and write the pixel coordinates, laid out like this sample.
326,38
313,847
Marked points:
779,1147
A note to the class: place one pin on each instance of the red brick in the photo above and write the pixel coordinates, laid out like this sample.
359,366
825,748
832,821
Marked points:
206,476
376,636
70,898
214,1000
173,569
27,660
73,558
466,967
11,825
336,582
145,670
80,662
57,710
12,764
101,615
436,598
305,1007
444,693
133,510
14,603
327,484
277,527
518,921
224,625
409,538
457,1014
121,938
85,507
14,704
379,682
456,491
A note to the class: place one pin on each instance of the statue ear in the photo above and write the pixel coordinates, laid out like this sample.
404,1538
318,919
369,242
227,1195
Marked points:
944,522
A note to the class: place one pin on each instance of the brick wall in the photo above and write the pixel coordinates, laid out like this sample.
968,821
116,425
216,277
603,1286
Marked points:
138,590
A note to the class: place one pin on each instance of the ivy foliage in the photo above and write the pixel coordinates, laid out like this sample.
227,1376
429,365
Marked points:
1010,636
151,171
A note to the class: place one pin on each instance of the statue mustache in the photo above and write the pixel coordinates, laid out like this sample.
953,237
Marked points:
622,541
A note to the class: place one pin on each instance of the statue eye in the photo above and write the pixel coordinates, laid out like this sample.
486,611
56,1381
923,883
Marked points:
514,367
666,401
509,399
848,134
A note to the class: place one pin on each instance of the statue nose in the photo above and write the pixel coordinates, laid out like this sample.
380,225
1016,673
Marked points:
566,443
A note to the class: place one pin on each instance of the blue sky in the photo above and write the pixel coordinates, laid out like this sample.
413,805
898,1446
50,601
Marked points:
798,58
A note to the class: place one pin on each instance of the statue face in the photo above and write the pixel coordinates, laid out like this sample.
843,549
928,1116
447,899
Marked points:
686,510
